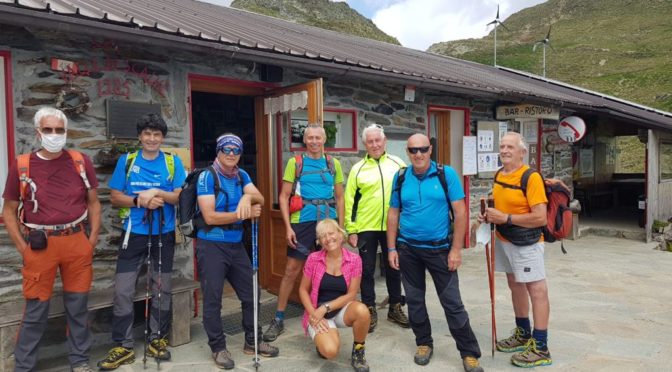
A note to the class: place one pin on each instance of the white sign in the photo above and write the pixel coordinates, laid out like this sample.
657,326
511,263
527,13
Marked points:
527,111
503,128
488,162
571,129
485,140
586,162
469,164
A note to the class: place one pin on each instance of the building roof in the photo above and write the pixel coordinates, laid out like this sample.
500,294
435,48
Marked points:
217,27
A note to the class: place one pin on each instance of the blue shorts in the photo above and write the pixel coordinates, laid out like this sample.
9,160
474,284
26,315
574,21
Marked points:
306,240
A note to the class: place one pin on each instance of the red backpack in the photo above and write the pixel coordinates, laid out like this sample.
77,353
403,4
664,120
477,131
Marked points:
558,215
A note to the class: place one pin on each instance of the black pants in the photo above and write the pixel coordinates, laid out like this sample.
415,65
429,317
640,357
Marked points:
218,261
413,262
368,254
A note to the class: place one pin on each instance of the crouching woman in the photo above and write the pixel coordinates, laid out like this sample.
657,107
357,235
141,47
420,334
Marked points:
328,291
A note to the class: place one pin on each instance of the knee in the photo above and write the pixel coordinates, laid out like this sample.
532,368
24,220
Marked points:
328,350
538,291
292,270
361,311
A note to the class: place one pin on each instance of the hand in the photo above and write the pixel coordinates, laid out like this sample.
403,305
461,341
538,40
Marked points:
93,240
291,238
154,203
393,260
256,211
145,196
482,217
322,326
21,247
454,258
244,208
495,216
352,240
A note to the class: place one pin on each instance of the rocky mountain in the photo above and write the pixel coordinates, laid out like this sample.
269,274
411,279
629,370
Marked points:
618,47
335,16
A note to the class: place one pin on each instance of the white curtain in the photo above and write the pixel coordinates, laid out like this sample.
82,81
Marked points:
286,103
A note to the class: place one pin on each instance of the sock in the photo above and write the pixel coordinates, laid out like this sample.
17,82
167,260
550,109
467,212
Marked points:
524,324
280,315
358,345
540,337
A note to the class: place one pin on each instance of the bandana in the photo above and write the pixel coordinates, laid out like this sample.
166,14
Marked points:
229,140
233,173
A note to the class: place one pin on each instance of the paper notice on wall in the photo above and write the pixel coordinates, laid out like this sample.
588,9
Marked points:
503,128
487,162
586,162
485,140
469,152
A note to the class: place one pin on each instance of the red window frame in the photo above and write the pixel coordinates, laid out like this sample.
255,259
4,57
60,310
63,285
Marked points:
9,109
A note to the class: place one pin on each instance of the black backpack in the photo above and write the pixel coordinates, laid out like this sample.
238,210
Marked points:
189,217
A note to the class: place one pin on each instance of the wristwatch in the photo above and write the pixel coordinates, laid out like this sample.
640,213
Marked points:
135,202
327,306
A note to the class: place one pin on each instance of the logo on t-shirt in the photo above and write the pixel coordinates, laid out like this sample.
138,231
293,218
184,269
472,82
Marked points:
135,169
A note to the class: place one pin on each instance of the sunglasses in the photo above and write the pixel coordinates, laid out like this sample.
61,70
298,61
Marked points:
231,150
414,150
52,130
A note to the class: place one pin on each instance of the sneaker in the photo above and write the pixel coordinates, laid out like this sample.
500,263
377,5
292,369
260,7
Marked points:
223,359
117,357
274,330
532,356
82,368
471,364
396,315
374,318
423,354
264,349
158,349
517,342
358,361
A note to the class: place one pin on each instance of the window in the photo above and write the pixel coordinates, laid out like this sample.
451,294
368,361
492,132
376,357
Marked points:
340,126
665,161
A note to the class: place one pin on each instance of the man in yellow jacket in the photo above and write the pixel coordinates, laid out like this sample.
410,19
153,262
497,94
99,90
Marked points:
367,199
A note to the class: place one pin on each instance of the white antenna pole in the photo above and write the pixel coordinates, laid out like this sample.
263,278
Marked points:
495,62
544,60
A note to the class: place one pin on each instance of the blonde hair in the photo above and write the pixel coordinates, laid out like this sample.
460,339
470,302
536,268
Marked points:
327,225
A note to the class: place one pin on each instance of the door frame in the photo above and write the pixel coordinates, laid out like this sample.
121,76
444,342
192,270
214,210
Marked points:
8,103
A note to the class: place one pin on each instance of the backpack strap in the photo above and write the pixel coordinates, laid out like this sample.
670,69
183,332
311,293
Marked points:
523,181
170,165
298,171
401,176
23,168
442,179
80,166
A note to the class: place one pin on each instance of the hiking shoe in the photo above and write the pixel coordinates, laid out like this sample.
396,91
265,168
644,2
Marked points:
517,342
423,354
358,360
264,349
396,315
532,356
223,359
82,368
158,349
471,364
374,318
117,357
274,330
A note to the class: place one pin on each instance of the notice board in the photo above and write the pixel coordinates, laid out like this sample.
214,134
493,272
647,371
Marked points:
488,135
122,117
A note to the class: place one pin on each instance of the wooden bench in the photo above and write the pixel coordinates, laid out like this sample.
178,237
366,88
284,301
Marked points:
179,334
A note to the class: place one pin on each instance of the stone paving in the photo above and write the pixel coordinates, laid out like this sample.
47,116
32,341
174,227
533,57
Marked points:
611,310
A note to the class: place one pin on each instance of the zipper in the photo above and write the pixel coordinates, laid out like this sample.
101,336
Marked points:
382,187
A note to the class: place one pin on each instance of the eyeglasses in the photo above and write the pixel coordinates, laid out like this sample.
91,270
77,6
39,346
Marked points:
414,150
231,150
52,130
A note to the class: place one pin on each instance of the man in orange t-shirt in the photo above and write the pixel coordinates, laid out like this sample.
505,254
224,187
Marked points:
519,251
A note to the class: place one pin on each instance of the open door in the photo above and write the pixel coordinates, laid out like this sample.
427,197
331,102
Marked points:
274,121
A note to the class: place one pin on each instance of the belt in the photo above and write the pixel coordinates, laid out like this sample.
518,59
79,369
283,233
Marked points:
64,231
64,226
434,243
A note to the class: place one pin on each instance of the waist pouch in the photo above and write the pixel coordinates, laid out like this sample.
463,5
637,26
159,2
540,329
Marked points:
37,239
520,236
295,203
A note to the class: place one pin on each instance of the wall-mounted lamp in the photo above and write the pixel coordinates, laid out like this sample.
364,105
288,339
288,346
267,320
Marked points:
409,93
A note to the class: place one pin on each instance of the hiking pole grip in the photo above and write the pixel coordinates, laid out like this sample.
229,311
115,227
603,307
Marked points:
491,204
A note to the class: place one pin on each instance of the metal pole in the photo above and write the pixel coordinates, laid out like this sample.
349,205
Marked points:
255,288
160,288
495,62
150,220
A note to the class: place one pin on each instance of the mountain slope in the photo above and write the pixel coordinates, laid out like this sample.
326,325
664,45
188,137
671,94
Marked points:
618,47
335,16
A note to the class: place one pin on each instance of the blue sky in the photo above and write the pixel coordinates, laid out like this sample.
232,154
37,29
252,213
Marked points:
419,23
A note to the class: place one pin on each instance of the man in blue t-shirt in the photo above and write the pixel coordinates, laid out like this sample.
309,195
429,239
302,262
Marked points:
144,184
220,251
420,236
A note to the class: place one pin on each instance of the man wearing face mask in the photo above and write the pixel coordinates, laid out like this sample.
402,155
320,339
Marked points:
58,191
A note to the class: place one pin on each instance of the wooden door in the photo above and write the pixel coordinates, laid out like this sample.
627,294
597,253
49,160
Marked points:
443,138
273,244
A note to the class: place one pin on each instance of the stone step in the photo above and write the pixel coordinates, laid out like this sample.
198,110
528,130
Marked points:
638,235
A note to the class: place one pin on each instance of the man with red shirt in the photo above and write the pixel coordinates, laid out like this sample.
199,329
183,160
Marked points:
58,191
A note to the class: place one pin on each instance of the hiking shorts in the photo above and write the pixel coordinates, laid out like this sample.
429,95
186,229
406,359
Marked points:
525,262
306,238
336,322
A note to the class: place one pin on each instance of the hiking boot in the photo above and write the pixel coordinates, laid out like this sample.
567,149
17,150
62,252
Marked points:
374,318
471,364
532,356
264,349
396,315
223,359
517,342
274,330
82,368
158,349
117,357
423,354
358,361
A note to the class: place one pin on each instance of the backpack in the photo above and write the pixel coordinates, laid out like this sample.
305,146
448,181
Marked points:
189,217
558,214
169,158
295,201
23,168
442,179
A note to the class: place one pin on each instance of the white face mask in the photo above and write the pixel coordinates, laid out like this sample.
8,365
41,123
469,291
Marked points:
53,142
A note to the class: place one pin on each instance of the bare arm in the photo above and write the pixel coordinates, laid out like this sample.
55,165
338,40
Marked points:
392,226
536,217
10,216
94,209
340,203
285,193
459,230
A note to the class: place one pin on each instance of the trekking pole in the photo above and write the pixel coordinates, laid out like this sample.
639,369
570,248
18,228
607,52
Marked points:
150,220
255,288
491,263
160,288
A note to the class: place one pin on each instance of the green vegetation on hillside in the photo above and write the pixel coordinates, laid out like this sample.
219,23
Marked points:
618,47
324,14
